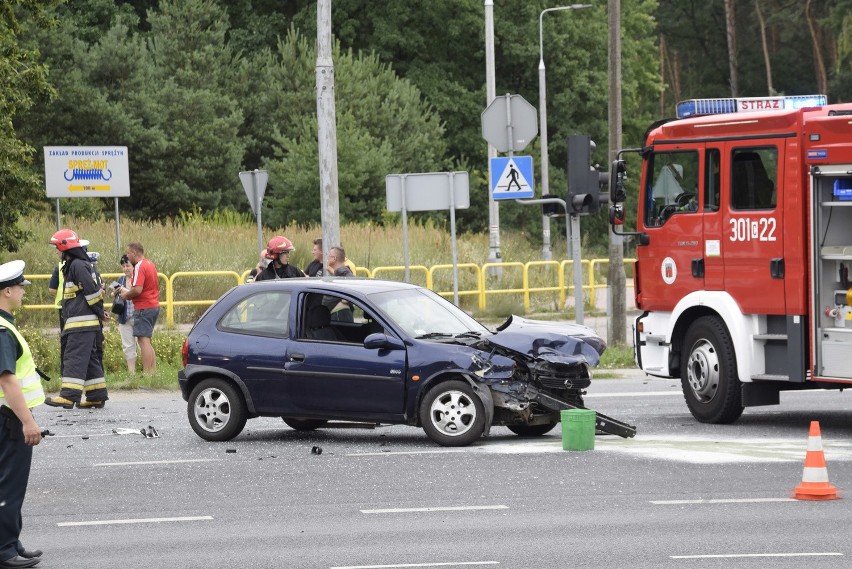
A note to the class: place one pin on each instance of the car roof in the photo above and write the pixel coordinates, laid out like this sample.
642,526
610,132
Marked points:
344,284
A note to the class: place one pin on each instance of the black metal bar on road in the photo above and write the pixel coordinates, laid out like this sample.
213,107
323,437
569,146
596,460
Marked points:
602,422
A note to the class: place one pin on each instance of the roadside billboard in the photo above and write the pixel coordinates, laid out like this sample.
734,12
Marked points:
86,171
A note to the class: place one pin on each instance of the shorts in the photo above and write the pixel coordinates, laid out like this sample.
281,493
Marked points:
144,320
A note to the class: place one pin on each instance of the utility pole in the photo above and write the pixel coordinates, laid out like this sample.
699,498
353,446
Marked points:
490,94
616,291
327,131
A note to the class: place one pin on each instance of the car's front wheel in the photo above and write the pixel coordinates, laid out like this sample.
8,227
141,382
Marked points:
531,430
216,410
452,415
304,424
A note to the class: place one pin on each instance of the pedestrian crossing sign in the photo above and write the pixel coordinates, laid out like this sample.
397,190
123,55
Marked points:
512,177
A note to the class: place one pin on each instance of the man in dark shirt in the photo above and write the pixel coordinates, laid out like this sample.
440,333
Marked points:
278,249
314,269
340,310
336,262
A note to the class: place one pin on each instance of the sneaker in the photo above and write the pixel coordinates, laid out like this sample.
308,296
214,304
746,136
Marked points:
59,402
91,404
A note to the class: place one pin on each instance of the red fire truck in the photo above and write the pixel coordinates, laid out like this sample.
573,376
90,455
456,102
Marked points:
744,243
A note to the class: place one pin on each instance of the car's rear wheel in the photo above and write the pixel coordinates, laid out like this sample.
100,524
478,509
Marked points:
452,415
531,430
305,424
216,410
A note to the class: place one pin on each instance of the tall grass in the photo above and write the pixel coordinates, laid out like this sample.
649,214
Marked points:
227,241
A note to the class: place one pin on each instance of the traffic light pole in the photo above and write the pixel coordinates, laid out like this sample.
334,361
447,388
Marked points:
579,297
572,240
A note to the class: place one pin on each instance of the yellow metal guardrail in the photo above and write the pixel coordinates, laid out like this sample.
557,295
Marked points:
487,278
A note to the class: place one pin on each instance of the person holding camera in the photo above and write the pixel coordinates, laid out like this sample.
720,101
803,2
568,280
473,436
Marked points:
123,309
83,337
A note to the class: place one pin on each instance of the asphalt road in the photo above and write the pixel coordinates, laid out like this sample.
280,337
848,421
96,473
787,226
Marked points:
680,495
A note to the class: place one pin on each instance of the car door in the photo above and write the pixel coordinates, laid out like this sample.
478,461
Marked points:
335,375
255,335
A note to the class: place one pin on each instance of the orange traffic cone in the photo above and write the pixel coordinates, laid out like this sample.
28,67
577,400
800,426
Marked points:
815,484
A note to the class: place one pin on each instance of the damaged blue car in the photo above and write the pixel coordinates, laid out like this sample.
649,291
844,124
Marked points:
344,349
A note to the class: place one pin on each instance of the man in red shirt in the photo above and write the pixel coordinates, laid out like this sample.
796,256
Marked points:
144,291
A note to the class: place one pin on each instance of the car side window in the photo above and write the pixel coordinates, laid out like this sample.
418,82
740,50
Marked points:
262,314
332,318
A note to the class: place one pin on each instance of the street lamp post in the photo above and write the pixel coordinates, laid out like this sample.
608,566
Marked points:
542,110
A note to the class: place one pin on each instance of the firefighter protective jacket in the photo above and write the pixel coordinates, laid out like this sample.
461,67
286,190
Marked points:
83,305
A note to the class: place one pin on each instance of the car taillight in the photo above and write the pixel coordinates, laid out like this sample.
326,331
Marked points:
184,351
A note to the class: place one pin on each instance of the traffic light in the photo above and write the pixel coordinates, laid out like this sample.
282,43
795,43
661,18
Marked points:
551,209
584,181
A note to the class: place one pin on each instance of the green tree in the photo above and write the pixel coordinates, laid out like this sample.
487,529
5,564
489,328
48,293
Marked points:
383,127
23,81
805,43
439,46
166,94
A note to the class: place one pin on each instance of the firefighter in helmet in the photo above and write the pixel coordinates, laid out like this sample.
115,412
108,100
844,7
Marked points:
278,250
82,336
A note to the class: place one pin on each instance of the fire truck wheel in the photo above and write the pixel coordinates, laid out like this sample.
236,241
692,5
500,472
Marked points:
708,371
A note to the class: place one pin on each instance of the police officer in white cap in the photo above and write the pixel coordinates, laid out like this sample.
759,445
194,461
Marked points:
20,391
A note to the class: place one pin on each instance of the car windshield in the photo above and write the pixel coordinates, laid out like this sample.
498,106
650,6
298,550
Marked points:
422,313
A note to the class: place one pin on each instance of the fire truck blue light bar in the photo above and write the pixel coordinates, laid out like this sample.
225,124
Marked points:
696,107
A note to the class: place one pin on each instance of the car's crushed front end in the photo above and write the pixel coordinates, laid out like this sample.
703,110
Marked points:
551,368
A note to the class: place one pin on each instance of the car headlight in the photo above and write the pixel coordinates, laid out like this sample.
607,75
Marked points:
482,365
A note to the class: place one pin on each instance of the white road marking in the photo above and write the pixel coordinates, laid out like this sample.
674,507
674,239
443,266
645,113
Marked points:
81,435
142,462
453,564
723,501
695,450
632,394
435,451
737,555
433,509
136,521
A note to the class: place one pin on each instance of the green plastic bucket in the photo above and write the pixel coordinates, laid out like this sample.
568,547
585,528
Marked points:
578,429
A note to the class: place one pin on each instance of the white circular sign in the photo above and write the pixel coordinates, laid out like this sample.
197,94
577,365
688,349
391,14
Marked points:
668,270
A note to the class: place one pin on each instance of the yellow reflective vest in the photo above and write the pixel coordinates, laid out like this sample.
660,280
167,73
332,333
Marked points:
60,289
25,369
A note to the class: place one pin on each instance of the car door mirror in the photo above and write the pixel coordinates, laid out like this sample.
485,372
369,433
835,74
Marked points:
379,341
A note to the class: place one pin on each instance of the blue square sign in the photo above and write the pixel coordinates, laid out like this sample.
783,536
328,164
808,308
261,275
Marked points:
512,178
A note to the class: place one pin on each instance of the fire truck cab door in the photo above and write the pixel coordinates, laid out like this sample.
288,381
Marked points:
671,264
752,247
